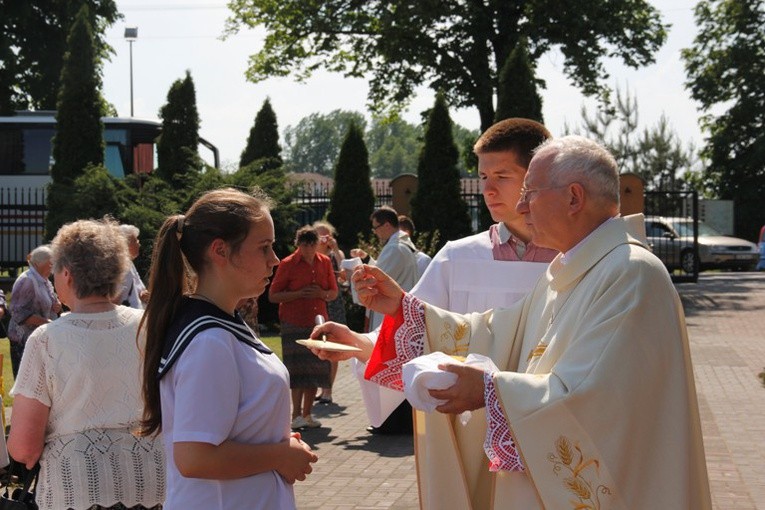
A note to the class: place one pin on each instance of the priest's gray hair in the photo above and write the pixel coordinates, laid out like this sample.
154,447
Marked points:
579,159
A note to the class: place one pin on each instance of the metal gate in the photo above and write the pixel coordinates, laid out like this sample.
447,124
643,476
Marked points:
22,225
672,230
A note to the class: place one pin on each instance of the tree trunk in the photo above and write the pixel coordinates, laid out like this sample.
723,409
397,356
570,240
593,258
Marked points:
485,107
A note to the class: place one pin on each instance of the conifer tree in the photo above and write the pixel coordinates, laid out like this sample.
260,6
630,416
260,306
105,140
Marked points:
438,204
263,142
517,94
261,165
79,131
78,142
177,146
352,200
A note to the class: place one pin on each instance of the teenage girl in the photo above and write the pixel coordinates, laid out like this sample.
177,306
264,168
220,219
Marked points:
219,396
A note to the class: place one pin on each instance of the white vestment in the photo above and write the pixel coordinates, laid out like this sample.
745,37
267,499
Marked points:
597,389
464,277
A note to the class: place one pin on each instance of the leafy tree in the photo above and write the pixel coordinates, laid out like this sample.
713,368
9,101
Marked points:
352,200
7,76
450,45
33,40
263,141
393,146
78,141
438,205
177,146
725,67
517,94
314,143
465,139
656,153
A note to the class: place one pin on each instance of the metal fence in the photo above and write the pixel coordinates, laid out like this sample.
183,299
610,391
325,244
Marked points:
22,225
679,254
23,210
313,200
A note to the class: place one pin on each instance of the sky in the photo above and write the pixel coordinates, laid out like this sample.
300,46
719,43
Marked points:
179,35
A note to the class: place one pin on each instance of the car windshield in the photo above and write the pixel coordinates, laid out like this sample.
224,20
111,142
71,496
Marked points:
685,229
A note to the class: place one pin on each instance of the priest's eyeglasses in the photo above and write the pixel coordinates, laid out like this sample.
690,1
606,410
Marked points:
525,192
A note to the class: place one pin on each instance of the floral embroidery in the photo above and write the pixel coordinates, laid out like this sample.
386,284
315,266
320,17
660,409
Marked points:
458,337
498,445
564,461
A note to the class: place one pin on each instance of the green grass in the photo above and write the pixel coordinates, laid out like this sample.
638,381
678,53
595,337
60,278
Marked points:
274,343
5,350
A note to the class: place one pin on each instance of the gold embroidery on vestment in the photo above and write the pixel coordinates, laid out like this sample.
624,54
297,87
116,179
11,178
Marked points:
584,488
537,351
458,338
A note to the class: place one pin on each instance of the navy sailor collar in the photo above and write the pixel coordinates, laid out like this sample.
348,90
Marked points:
195,316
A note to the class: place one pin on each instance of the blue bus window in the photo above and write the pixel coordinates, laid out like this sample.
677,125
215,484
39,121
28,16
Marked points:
113,161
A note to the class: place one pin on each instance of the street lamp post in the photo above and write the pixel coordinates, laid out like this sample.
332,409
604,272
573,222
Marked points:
131,34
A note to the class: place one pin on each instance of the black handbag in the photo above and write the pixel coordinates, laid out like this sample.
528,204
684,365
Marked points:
22,498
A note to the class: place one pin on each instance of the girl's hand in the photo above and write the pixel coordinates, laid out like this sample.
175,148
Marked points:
297,459
341,334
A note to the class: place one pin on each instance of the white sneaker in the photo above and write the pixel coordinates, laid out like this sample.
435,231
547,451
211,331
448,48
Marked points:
311,422
299,423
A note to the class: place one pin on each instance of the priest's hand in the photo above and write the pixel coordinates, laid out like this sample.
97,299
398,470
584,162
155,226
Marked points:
341,334
466,394
376,290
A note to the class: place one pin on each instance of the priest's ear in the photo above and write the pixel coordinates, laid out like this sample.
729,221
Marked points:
577,197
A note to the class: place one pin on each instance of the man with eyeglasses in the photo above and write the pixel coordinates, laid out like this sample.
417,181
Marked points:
397,257
491,269
472,274
594,405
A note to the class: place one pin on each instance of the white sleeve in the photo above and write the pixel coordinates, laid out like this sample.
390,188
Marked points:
206,382
32,380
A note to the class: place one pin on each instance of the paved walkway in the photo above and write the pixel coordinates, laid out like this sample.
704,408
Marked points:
726,322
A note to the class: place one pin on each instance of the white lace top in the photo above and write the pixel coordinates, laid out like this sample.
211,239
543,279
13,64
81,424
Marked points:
86,368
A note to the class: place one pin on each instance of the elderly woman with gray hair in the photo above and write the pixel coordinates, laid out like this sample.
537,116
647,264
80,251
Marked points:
33,302
78,392
133,292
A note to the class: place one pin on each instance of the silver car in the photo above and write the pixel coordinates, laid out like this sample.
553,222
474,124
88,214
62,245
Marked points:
671,239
